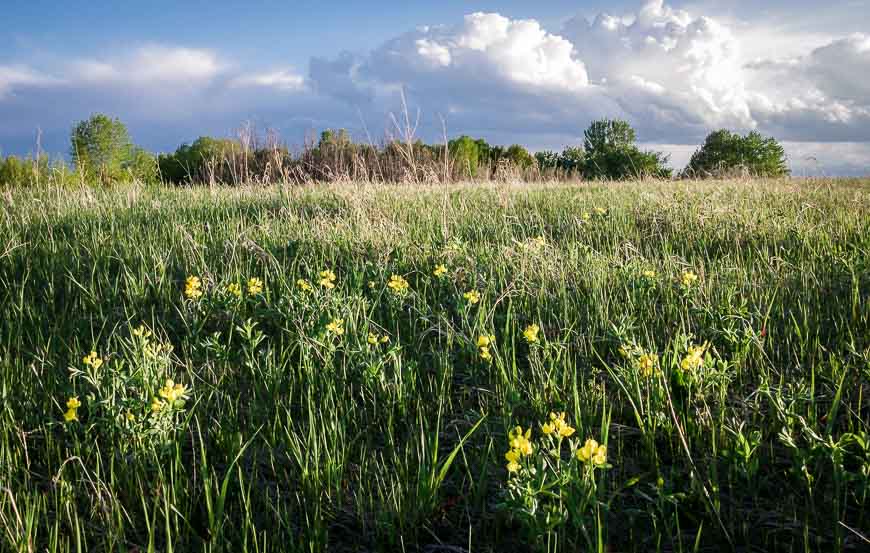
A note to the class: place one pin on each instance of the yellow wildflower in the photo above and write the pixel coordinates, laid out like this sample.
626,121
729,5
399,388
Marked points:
600,211
156,405
561,427
327,279
600,456
485,341
519,442
93,360
193,287
235,289
304,285
336,326
141,332
485,354
694,357
513,466
398,285
372,339
72,405
689,278
255,286
512,456
647,364
589,450
172,392
472,296
440,271
649,274
385,339
531,333
548,428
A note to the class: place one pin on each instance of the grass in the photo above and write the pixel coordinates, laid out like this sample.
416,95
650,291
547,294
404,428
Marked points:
285,436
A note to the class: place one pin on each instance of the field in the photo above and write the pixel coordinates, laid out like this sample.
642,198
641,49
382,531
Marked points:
344,368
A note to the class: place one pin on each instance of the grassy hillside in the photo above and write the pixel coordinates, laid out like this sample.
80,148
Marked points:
348,367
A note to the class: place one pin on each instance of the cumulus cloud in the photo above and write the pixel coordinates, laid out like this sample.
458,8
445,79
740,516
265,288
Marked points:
675,74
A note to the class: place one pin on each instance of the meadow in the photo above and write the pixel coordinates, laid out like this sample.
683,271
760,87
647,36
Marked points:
636,366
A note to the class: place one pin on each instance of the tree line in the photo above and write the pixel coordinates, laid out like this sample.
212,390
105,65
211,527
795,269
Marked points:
102,152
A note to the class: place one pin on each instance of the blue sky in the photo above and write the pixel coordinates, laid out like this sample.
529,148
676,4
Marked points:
517,71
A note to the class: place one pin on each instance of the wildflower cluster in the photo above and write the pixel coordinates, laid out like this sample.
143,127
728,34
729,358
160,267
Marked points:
484,343
546,485
335,327
92,360
304,285
172,395
193,288
646,363
688,279
472,297
327,279
694,357
440,271
72,407
531,333
398,285
374,339
255,286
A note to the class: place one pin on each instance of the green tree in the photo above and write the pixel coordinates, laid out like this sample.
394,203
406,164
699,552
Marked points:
611,153
195,162
519,156
465,153
101,147
725,152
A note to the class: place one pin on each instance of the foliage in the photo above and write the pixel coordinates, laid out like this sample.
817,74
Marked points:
349,364
726,153
611,153
102,151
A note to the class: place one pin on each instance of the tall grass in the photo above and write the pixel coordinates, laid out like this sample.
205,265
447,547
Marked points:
296,438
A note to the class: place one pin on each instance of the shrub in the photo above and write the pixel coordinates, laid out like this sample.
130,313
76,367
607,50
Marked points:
725,153
103,152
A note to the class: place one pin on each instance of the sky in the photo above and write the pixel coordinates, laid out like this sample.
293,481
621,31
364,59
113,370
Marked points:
534,73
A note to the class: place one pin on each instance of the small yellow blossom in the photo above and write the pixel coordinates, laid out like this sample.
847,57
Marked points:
600,211
398,285
560,426
72,405
694,357
327,279
172,392
649,274
600,456
304,285
531,333
485,354
548,428
157,405
255,286
586,216
372,339
141,332
647,364
513,467
385,339
588,451
689,278
472,296
440,271
235,289
193,287
336,326
485,341
92,360
521,443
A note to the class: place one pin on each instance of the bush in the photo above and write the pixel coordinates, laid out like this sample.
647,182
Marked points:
725,153
611,153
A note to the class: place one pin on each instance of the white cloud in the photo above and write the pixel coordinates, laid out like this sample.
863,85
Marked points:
156,64
15,76
285,80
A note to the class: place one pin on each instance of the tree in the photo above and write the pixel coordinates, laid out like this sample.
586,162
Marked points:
196,162
519,156
465,153
101,147
725,152
611,153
